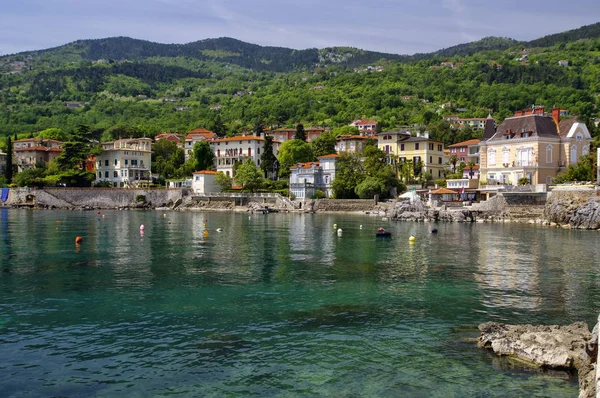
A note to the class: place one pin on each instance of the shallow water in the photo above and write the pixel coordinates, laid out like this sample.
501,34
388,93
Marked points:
278,305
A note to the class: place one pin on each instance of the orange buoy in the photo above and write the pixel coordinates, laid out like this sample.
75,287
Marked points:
98,212
169,222
78,239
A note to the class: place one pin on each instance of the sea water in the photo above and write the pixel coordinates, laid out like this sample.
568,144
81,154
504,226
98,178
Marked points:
278,304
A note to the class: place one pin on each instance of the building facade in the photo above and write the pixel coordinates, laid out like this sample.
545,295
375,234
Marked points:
307,178
203,182
365,126
195,136
283,135
351,143
125,163
31,152
230,150
466,151
532,145
425,154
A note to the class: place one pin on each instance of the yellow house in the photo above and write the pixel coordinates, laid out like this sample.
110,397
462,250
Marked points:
401,146
532,145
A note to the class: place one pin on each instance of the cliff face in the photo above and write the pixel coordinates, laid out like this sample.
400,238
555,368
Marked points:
579,210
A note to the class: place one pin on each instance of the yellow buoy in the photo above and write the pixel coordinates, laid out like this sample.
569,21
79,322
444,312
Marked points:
206,232
411,239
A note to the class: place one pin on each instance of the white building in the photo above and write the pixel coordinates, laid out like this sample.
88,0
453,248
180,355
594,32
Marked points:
307,178
125,163
204,182
196,136
351,143
230,150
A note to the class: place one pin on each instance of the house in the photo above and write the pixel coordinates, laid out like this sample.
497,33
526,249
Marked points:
173,137
563,62
351,143
204,182
90,164
31,152
74,104
447,64
365,126
215,107
425,154
125,163
231,150
532,145
476,123
194,136
307,178
466,151
283,135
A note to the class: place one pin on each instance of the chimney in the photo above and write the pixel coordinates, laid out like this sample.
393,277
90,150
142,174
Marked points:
519,113
539,110
528,112
426,134
556,115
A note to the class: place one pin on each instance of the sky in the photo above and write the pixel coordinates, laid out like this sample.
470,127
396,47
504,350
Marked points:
391,26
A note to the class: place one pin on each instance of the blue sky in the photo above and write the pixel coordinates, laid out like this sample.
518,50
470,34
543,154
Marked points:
394,26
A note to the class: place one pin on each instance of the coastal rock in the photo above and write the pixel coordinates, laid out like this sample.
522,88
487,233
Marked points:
561,206
586,216
564,347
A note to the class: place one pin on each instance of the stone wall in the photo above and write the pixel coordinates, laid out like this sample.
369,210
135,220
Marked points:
524,199
340,205
104,198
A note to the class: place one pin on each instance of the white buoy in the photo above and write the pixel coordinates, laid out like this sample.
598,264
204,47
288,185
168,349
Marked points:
142,227
334,226
219,229
339,232
360,226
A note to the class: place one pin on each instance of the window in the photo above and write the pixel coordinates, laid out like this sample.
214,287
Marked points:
99,174
431,146
417,146
579,137
573,154
106,162
549,154
115,162
126,160
505,155
430,159
440,149
106,173
402,147
585,150
115,174
249,151
440,160
491,157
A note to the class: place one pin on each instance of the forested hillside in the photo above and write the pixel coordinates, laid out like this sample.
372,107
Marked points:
228,85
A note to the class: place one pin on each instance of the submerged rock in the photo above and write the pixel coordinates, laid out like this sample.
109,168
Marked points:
563,347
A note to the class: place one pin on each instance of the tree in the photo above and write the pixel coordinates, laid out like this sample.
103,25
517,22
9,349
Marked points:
167,159
370,187
223,181
349,173
323,144
471,165
300,133
53,134
291,153
259,127
8,172
248,175
204,156
267,158
453,160
583,170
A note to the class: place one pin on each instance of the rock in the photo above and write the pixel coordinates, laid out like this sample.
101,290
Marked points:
564,347
586,216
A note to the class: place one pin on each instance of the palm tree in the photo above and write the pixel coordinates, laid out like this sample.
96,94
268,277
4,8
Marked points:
453,160
471,166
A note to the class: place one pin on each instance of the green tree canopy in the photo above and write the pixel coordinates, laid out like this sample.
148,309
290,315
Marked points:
248,175
291,153
223,181
204,156
323,144
349,173
267,157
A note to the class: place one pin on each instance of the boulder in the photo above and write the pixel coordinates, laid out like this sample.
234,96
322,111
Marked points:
586,216
564,347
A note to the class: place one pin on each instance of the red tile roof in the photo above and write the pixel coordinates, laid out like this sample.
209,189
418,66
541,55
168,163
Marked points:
353,137
364,122
330,156
307,165
464,143
205,172
239,138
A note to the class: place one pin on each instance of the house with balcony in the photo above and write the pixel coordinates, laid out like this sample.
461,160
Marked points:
351,143
532,145
424,153
466,151
195,136
307,178
230,150
365,126
125,163
31,152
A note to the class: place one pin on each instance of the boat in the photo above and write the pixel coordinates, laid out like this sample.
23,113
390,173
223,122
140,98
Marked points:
381,233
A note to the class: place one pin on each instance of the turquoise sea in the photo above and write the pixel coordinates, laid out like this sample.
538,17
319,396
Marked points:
278,304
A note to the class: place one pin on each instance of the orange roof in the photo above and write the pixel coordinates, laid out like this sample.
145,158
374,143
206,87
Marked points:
307,165
240,138
38,149
199,131
331,155
442,191
464,143
205,172
364,122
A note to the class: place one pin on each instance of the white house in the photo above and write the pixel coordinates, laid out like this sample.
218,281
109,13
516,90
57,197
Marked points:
307,178
367,126
351,143
125,163
230,150
196,136
204,182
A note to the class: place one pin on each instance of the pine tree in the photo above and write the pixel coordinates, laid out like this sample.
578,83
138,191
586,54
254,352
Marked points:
300,134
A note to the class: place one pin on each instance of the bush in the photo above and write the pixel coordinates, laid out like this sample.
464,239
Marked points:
441,183
319,194
140,198
523,181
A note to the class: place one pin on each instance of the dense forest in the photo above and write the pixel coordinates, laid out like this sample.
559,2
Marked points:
227,85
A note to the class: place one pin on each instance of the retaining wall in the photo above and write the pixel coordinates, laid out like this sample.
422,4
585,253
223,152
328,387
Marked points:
343,205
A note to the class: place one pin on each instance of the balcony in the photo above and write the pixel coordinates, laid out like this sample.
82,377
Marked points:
526,163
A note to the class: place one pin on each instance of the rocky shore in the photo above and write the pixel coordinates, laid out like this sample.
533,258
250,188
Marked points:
571,347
